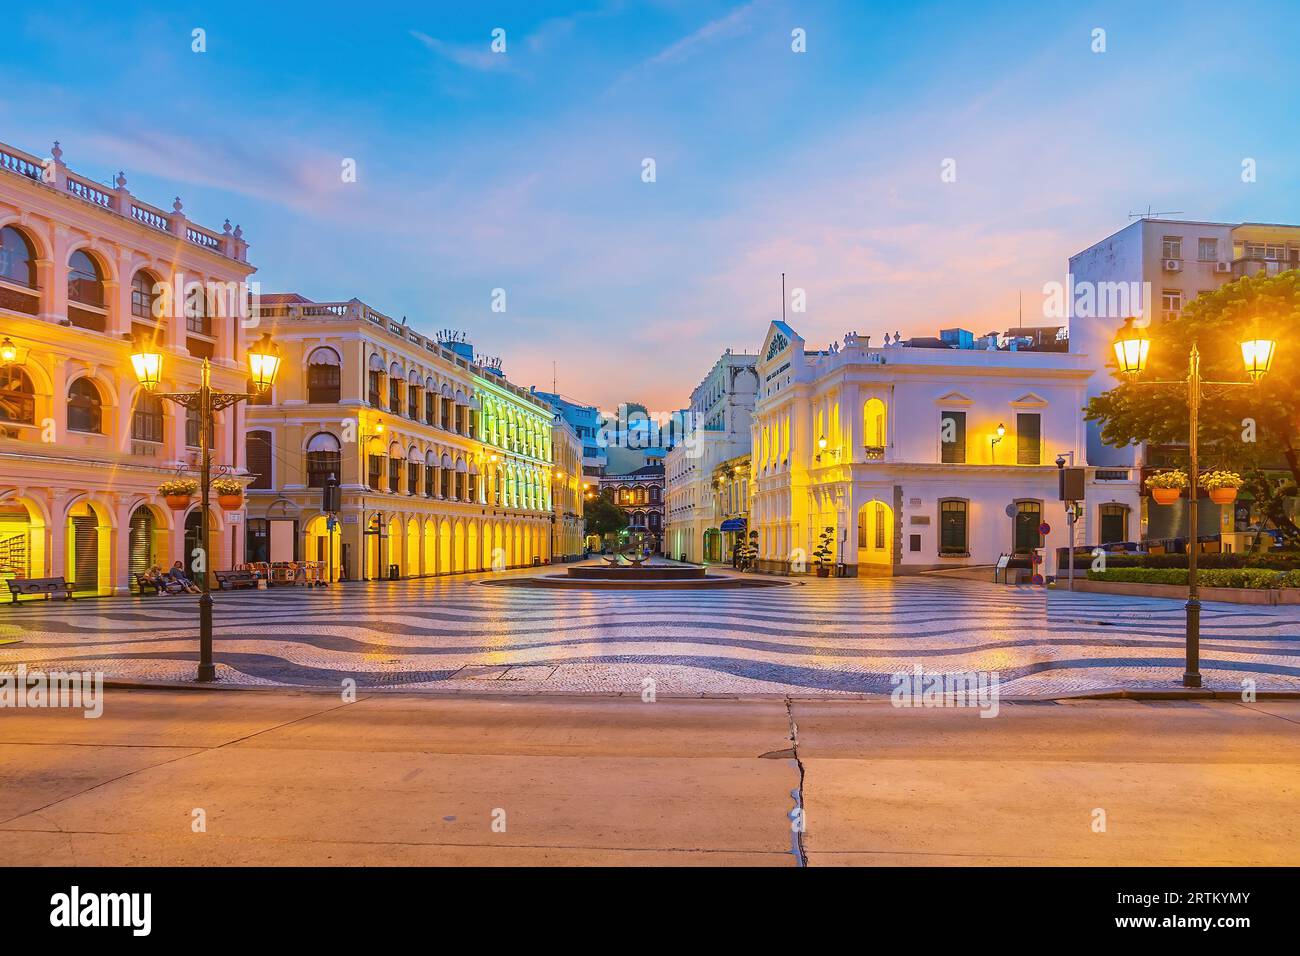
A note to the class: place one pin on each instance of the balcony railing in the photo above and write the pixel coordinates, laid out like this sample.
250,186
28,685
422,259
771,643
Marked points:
873,452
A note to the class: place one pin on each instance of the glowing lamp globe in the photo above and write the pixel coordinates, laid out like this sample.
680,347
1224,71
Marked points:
1131,349
1258,357
147,364
263,362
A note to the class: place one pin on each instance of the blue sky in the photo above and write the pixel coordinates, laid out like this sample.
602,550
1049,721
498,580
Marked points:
522,170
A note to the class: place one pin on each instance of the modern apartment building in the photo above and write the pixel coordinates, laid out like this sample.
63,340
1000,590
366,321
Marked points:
585,420
719,417
86,268
921,458
1152,268
443,465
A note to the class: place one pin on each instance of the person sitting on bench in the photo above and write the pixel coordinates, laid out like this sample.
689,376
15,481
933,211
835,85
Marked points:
177,574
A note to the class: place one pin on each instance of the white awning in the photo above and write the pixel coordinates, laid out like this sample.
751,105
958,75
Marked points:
324,356
323,441
446,460
376,363
461,467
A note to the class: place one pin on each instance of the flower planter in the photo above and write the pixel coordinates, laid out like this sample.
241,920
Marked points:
1223,496
178,502
823,572
1166,496
230,502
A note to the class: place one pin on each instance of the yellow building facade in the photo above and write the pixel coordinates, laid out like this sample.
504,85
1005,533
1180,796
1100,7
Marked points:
567,490
443,466
85,269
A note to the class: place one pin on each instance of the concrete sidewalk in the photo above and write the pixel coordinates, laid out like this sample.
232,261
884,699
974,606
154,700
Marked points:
302,778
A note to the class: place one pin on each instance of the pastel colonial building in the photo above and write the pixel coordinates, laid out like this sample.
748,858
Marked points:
568,485
920,458
719,420
85,268
441,463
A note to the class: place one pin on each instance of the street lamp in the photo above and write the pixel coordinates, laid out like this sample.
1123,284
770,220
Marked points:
263,364
1131,350
8,352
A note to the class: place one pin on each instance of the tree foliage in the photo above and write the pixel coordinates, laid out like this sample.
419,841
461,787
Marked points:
1252,430
603,516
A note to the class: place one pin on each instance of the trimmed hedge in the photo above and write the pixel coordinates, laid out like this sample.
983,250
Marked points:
1276,561
1211,578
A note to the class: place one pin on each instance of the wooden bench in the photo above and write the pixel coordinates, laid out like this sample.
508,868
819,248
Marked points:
232,580
46,586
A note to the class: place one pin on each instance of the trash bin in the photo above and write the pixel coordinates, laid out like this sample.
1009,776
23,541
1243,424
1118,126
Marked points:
682,558
537,562
840,570
394,572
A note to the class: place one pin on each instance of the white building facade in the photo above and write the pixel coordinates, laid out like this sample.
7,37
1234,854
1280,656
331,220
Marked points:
919,459
721,411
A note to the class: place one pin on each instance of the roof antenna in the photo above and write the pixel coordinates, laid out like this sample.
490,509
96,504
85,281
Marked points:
554,389
782,296
1154,215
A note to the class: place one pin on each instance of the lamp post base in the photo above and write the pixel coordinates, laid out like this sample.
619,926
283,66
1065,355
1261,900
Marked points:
208,673
1192,673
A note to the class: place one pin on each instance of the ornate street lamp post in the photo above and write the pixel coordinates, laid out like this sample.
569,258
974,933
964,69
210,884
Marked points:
1132,346
263,364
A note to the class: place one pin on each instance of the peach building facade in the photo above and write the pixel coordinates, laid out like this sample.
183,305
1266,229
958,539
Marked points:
85,268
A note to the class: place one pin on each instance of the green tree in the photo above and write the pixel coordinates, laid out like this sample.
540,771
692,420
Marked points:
1255,431
603,516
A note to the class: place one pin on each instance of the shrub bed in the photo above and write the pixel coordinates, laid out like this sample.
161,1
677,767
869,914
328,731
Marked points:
1210,578
1276,561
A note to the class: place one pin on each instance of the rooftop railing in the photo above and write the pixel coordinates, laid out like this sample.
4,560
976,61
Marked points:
116,198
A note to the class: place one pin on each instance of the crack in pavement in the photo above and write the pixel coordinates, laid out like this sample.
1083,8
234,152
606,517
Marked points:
797,816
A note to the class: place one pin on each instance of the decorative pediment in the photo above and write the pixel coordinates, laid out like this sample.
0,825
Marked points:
1030,400
779,338
955,398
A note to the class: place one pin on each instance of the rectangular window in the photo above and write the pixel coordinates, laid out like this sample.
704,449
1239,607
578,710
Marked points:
193,431
952,438
1114,524
430,415
323,384
880,526
1029,428
430,481
257,454
952,527
395,475
412,478
1207,250
376,472
395,396
1173,247
1171,303
374,395
323,465
1274,251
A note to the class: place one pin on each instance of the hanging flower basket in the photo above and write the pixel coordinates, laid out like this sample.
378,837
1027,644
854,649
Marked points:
178,492
1166,487
1222,486
230,493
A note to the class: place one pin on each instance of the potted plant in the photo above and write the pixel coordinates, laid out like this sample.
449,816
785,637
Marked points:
230,493
1222,486
825,551
1166,487
178,492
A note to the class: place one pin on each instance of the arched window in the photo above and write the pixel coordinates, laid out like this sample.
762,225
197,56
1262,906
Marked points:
85,280
144,296
953,524
324,458
1029,515
17,398
323,377
86,293
17,258
198,316
85,407
147,418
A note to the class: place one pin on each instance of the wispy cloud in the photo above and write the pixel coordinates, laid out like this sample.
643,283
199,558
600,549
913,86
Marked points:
734,24
472,57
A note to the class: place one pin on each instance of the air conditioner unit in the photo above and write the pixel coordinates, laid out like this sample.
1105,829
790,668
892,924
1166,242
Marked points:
1223,267
1173,265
